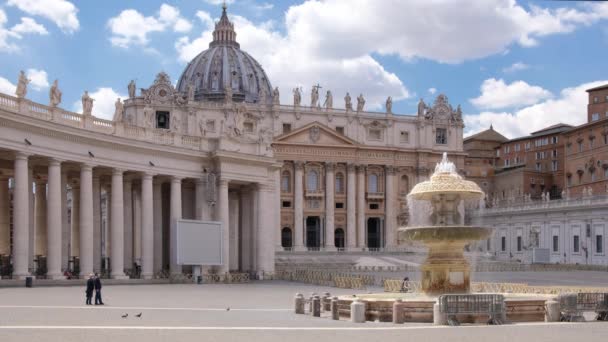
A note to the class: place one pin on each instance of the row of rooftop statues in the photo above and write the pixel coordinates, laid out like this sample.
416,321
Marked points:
329,100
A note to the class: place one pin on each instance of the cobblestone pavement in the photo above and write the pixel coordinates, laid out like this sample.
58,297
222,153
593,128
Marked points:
260,310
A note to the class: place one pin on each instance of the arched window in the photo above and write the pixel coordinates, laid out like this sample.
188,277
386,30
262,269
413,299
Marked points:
312,181
286,182
404,185
340,183
339,238
286,241
372,183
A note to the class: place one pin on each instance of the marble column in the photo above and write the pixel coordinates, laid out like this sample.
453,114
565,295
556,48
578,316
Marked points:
117,228
351,204
86,220
298,206
147,229
5,246
54,221
361,206
65,223
41,224
234,235
128,222
247,226
21,217
137,220
31,248
199,199
330,206
264,236
157,198
96,223
224,215
277,212
389,207
75,223
176,214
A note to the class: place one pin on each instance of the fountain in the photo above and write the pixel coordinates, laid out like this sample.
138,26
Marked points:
445,269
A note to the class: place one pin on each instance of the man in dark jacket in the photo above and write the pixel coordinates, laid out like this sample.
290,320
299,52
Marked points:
90,288
98,300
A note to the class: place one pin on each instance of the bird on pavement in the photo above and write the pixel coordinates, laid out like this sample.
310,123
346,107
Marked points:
228,309
138,315
125,316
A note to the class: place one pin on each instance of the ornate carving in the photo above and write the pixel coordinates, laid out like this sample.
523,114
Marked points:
314,133
299,165
390,170
330,166
350,167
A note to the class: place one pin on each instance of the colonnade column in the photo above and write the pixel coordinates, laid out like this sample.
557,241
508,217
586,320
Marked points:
41,222
65,225
117,229
75,223
96,223
54,221
147,230
351,220
224,215
389,207
5,246
128,222
176,214
21,217
157,199
329,206
86,220
265,229
277,213
137,230
298,207
361,205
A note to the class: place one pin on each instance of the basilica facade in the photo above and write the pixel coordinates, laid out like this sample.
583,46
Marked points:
86,194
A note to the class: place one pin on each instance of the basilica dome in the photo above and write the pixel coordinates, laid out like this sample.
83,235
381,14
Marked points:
225,68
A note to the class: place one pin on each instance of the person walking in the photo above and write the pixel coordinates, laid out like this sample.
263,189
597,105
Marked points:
90,288
98,300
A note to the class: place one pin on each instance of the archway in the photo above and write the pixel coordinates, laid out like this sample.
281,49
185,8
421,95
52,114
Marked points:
374,234
313,232
286,238
339,238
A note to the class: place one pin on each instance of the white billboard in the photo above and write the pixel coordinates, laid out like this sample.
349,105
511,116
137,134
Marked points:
199,242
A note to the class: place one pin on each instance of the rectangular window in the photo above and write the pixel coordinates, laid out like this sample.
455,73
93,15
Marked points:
554,140
441,136
554,165
286,128
575,241
555,243
527,146
591,143
507,162
554,154
517,148
210,125
599,244
340,129
569,180
339,205
373,206
503,243
404,137
605,137
580,146
519,243
248,127
595,116
539,167
497,152
374,134
507,149
162,119
286,204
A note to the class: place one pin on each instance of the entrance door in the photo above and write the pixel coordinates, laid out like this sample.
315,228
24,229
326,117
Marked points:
374,236
313,232
339,238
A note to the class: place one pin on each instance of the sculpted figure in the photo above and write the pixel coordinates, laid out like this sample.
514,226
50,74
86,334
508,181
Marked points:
348,102
148,117
421,107
389,105
201,127
131,89
55,94
275,96
190,91
360,103
215,81
22,83
87,103
119,109
329,100
262,95
176,123
297,97
458,116
314,96
228,94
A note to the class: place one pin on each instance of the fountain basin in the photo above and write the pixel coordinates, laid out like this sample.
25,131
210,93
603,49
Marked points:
443,234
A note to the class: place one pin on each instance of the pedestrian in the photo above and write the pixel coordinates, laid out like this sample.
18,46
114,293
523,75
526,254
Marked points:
98,300
90,288
404,284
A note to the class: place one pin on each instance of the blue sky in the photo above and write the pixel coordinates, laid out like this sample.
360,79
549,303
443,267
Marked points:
519,65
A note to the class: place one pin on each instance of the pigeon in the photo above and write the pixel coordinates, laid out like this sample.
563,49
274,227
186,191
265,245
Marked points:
228,309
138,315
125,316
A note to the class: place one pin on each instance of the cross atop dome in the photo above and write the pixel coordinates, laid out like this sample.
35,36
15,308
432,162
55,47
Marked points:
224,33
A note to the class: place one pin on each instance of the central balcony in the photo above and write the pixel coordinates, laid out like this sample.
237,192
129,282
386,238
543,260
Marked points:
374,195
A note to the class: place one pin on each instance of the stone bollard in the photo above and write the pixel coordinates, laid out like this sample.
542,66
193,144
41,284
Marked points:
357,311
335,314
316,306
552,312
438,317
299,303
397,314
326,302
312,295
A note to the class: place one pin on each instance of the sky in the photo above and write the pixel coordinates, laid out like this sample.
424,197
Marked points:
517,65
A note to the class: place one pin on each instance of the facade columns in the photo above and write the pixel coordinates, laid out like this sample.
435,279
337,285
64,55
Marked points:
65,225
117,226
5,243
176,214
389,207
277,212
157,199
137,224
298,207
54,221
351,219
264,232
361,206
41,222
330,206
96,224
75,224
147,229
128,222
21,217
224,217
86,220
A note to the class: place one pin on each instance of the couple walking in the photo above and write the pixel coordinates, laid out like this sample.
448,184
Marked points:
94,283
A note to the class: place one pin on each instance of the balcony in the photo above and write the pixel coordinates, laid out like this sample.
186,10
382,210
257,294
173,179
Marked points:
314,193
374,195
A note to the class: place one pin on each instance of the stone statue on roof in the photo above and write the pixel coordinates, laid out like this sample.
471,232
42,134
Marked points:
87,103
348,104
389,105
132,89
329,100
55,94
22,83
119,109
360,103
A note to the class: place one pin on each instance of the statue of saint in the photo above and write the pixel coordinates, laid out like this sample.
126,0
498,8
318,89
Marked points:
87,103
119,109
176,123
297,97
421,107
314,96
55,94
22,83
329,100
262,95
275,96
360,103
148,117
348,102
215,81
389,105
228,94
131,89
190,91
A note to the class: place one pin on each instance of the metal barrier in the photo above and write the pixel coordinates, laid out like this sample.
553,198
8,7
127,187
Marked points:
491,304
573,305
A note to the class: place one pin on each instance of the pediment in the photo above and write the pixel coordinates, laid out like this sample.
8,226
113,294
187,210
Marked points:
315,134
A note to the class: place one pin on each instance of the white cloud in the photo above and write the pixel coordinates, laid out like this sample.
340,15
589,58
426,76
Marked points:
432,91
206,19
7,87
218,2
103,106
61,12
38,79
570,108
29,25
496,94
518,66
8,36
132,28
